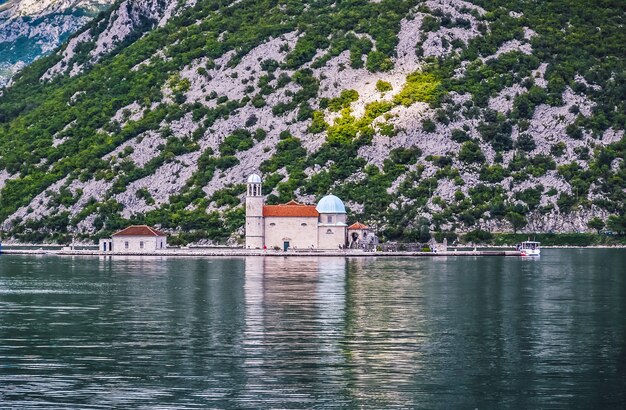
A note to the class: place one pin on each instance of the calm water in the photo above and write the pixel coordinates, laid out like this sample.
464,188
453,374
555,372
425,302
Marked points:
314,332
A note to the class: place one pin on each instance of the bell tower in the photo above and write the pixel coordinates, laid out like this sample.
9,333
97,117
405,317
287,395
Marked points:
255,237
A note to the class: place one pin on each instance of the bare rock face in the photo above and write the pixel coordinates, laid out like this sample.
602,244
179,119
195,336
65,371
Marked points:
32,28
126,19
437,43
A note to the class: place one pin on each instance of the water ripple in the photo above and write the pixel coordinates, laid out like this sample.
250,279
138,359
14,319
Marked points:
313,332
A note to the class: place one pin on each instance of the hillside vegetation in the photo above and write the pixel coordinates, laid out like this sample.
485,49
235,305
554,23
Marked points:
441,116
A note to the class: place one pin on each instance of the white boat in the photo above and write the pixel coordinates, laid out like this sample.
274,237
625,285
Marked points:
529,248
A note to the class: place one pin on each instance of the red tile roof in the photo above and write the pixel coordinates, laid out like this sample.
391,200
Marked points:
290,209
357,225
138,230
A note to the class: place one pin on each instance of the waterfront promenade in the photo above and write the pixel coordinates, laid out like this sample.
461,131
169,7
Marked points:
199,252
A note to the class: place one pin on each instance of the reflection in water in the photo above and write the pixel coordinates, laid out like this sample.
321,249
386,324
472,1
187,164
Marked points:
294,321
384,332
314,332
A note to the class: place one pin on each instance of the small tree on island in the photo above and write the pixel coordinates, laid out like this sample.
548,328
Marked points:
596,223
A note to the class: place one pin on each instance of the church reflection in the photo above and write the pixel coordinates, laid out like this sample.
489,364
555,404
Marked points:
333,324
294,322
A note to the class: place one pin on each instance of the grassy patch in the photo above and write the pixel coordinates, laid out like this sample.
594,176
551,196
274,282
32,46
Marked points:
419,87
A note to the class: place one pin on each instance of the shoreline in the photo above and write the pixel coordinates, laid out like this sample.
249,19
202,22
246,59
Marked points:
482,251
243,253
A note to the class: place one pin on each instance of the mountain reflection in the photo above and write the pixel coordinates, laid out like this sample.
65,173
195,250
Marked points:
309,332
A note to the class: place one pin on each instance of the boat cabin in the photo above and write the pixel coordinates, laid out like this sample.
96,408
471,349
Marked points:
529,248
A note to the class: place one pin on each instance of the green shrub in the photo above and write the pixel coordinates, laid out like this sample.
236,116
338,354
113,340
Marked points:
596,223
405,156
378,61
430,23
525,143
383,86
493,173
478,236
558,149
239,140
318,124
387,129
419,87
343,101
226,162
470,153
428,125
459,136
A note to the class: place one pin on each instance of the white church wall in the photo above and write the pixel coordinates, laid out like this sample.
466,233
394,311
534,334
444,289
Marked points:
331,237
332,219
300,232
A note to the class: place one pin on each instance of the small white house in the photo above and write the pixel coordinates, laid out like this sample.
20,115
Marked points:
135,238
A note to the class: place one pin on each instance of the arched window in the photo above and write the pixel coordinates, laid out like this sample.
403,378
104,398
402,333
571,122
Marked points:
303,224
272,224
329,231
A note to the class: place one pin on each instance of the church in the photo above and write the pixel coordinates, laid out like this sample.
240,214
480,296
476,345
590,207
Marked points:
294,225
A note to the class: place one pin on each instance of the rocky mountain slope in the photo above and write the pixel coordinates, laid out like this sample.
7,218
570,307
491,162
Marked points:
32,28
441,116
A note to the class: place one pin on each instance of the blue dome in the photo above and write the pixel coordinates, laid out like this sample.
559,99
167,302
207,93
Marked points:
330,204
254,179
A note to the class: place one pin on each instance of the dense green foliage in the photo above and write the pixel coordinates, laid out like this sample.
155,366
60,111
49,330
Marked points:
64,128
564,239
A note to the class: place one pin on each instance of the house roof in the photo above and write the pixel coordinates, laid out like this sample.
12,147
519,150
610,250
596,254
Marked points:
138,230
357,225
290,209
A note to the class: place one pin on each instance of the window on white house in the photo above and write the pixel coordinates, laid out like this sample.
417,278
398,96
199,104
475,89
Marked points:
126,244
329,231
140,244
330,219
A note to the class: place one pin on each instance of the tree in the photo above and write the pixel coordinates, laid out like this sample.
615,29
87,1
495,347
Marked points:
516,220
428,125
617,224
596,223
526,143
478,236
378,61
470,152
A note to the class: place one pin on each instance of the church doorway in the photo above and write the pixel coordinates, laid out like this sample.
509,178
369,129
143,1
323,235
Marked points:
285,245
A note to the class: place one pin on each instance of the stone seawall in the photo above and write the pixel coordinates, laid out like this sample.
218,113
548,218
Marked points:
242,252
